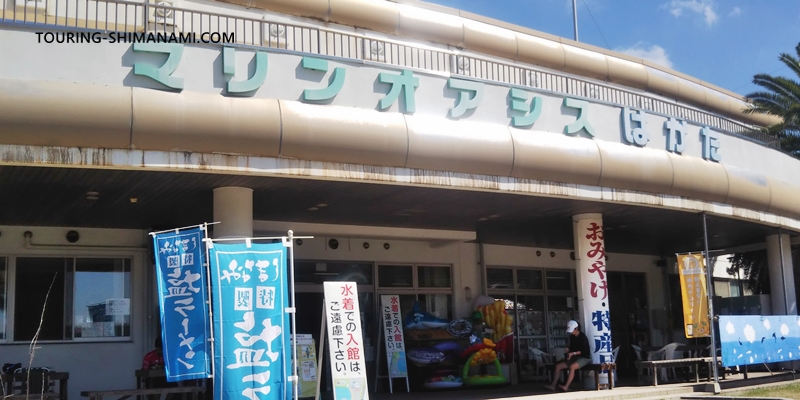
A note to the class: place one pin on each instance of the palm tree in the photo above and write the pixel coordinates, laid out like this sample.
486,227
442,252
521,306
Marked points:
781,98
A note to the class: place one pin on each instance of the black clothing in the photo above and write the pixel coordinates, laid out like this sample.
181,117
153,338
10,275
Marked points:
580,343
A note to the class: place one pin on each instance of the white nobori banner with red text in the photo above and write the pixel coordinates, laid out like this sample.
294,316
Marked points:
590,257
345,341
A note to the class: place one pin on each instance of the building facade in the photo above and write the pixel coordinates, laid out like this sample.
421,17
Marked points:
432,153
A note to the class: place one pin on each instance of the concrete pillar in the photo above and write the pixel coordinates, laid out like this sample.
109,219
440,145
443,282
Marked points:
233,208
590,265
781,277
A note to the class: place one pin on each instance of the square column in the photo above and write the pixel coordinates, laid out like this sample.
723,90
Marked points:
781,275
233,208
590,264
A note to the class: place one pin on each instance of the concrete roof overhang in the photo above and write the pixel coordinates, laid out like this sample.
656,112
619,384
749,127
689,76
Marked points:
55,196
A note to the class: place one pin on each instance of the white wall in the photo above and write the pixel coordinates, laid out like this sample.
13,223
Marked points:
97,365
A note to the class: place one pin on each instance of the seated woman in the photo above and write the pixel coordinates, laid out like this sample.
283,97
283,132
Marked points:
578,356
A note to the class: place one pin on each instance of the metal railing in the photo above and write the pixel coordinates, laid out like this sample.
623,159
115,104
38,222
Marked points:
108,16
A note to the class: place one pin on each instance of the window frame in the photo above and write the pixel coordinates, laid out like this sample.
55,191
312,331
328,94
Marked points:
415,289
135,260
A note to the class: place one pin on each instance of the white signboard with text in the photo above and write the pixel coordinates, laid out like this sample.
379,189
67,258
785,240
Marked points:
393,336
345,341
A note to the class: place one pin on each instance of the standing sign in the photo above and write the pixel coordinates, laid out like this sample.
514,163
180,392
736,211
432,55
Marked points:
307,364
691,268
591,259
180,267
393,336
253,353
348,366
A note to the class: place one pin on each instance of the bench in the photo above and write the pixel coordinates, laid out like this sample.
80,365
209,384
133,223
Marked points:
124,394
609,367
656,364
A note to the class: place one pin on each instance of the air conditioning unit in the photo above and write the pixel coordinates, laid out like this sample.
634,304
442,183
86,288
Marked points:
161,17
274,35
375,50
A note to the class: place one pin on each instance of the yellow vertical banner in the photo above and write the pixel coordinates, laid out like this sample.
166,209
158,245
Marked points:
692,270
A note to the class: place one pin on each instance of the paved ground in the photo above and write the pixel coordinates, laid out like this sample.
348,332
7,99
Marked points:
626,390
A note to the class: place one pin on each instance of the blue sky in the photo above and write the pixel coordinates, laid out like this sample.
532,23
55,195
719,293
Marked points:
724,42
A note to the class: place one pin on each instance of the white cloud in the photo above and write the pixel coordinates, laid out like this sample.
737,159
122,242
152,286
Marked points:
653,53
736,11
702,7
749,334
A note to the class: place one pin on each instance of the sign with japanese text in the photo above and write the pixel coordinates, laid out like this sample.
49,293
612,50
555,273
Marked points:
252,356
393,336
590,255
692,271
345,341
322,81
756,339
307,365
182,299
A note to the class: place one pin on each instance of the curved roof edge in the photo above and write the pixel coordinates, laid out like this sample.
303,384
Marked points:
75,115
449,26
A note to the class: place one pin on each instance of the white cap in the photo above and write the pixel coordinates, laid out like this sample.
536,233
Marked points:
571,325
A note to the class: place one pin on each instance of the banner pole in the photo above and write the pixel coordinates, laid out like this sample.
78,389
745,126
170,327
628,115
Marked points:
321,352
295,382
208,300
710,290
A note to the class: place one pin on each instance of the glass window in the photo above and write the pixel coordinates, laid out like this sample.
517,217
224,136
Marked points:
529,279
431,291
434,277
500,278
395,276
101,306
72,298
437,304
559,280
735,292
530,312
3,288
40,287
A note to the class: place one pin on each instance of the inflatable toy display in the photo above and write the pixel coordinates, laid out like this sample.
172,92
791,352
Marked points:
481,352
482,300
496,317
417,319
460,327
425,356
443,382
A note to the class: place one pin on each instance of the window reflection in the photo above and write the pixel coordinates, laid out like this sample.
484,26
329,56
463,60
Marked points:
315,273
101,306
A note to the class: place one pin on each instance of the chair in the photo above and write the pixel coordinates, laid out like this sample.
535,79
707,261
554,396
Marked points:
32,381
665,353
543,361
639,370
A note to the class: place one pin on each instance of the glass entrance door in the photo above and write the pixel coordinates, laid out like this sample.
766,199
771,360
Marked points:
309,279
629,313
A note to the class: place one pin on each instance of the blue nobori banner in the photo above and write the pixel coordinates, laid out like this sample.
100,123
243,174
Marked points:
180,266
252,355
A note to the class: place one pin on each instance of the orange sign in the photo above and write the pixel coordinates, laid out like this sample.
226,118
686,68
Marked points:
692,270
